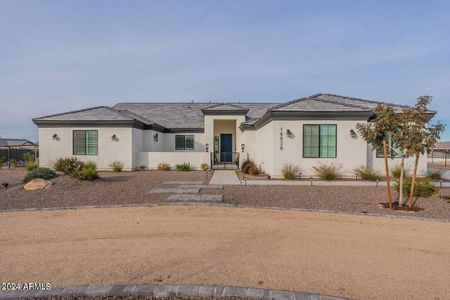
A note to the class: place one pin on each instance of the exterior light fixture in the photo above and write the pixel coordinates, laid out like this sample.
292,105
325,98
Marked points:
353,134
114,137
242,147
55,137
289,133
155,137
207,147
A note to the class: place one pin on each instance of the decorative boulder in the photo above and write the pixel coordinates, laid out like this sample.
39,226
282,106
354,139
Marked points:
37,184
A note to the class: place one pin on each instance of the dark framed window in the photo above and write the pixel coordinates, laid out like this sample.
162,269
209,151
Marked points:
319,141
394,151
85,142
184,142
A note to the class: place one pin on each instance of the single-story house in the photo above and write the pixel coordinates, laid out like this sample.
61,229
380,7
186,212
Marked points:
319,129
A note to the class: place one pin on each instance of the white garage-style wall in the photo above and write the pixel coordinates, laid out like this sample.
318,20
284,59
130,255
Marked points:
109,150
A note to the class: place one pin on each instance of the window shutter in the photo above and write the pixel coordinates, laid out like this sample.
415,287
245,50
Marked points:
179,142
79,142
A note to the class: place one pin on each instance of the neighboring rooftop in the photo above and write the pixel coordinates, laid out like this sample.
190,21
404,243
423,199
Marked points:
191,114
8,142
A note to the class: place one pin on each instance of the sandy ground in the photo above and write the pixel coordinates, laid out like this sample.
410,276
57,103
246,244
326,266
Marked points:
351,256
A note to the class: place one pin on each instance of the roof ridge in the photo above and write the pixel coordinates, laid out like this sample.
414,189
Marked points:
198,103
71,112
127,113
289,102
343,104
366,100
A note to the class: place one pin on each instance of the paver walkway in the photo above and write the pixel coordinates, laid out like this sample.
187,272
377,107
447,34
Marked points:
228,177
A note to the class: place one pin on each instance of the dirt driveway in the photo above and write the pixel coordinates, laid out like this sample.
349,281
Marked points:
351,256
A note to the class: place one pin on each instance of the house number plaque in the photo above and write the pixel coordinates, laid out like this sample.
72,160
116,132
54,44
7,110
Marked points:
281,138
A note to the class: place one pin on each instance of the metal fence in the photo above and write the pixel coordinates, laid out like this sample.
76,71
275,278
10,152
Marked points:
17,154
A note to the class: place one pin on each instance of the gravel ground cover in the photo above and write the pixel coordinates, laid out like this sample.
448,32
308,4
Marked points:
111,189
135,297
133,188
334,198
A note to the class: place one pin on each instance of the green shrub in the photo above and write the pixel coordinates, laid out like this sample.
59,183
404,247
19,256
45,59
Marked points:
184,167
88,172
142,168
13,163
289,171
367,174
423,187
42,173
396,171
31,166
248,165
327,172
204,167
28,157
2,160
117,166
68,165
435,174
163,167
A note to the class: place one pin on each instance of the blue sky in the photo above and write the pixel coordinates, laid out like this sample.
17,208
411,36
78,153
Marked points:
57,56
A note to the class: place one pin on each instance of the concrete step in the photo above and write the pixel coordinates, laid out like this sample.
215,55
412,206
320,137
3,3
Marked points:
183,182
201,186
195,198
175,191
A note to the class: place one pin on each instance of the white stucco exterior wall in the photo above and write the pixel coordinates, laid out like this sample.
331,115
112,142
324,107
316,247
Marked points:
351,152
109,150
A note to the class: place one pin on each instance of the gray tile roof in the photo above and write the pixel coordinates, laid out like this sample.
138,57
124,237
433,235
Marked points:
189,115
102,113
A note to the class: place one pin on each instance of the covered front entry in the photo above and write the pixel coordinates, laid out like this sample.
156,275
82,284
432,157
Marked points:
224,155
226,147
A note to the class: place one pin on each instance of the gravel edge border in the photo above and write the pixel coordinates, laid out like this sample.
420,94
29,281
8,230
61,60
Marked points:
323,211
165,291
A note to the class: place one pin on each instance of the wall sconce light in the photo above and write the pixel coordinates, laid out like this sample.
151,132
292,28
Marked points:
155,137
353,134
207,147
242,147
114,138
55,137
289,133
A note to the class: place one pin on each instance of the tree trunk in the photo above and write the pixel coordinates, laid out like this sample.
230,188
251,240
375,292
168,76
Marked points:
400,190
413,181
388,178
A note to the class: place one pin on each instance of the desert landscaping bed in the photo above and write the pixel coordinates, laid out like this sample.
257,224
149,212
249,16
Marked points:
111,189
128,188
353,199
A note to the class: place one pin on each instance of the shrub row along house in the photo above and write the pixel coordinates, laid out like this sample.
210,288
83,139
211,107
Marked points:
306,132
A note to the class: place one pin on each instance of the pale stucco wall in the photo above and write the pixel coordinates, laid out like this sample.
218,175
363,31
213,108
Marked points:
378,164
350,152
264,146
151,159
108,150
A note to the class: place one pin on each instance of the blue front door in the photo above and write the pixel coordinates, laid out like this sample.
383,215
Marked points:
226,152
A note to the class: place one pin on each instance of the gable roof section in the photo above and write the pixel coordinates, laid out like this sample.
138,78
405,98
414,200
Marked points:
225,109
103,115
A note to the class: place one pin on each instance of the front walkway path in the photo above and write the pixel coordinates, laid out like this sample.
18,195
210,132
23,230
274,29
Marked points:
228,177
